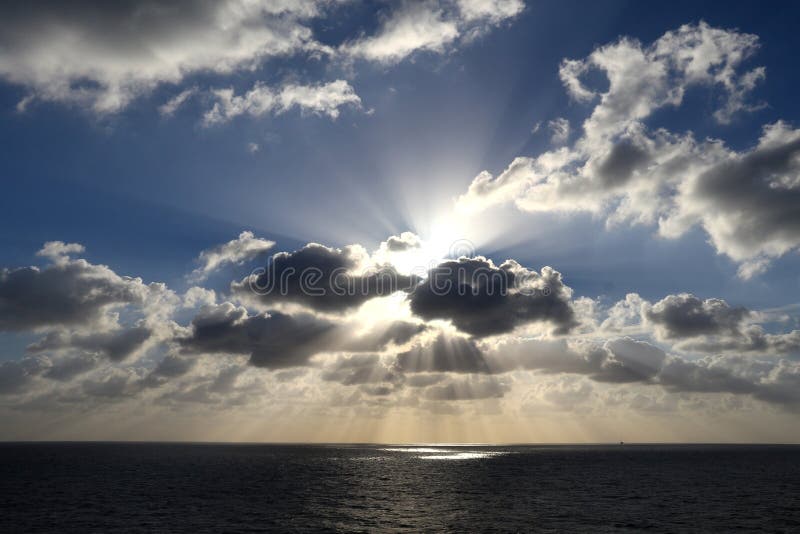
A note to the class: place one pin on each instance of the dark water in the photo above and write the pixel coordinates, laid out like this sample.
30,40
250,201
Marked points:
249,488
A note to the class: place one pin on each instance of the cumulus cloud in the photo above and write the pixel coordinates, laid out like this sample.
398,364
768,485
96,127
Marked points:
627,172
102,55
322,278
401,243
245,248
278,340
694,325
678,345
68,292
272,340
482,299
321,99
684,315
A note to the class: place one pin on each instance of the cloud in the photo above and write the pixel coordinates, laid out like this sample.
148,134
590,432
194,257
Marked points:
694,325
429,27
57,251
115,345
492,10
171,367
468,388
169,108
617,360
681,345
482,299
16,375
69,292
401,243
684,315
277,340
645,78
359,369
245,248
66,368
559,130
272,340
626,360
751,338
321,99
414,27
322,278
624,171
102,55
113,384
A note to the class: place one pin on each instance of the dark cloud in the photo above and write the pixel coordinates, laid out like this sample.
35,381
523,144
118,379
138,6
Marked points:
68,367
16,375
756,196
444,354
67,293
684,315
703,376
482,299
171,366
272,340
616,168
322,278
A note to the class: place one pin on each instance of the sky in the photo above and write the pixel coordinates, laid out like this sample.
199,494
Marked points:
496,221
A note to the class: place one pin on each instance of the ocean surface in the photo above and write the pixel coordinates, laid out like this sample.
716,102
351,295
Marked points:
141,487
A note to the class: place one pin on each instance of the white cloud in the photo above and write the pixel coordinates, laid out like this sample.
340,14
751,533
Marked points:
416,26
325,99
492,10
559,130
101,55
623,170
246,247
171,106
430,27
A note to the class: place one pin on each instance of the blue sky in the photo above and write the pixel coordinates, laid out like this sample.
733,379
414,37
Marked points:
145,191
167,187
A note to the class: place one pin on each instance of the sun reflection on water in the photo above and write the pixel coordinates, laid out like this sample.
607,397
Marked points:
435,453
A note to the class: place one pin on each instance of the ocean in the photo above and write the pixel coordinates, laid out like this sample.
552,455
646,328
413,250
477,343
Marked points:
165,487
